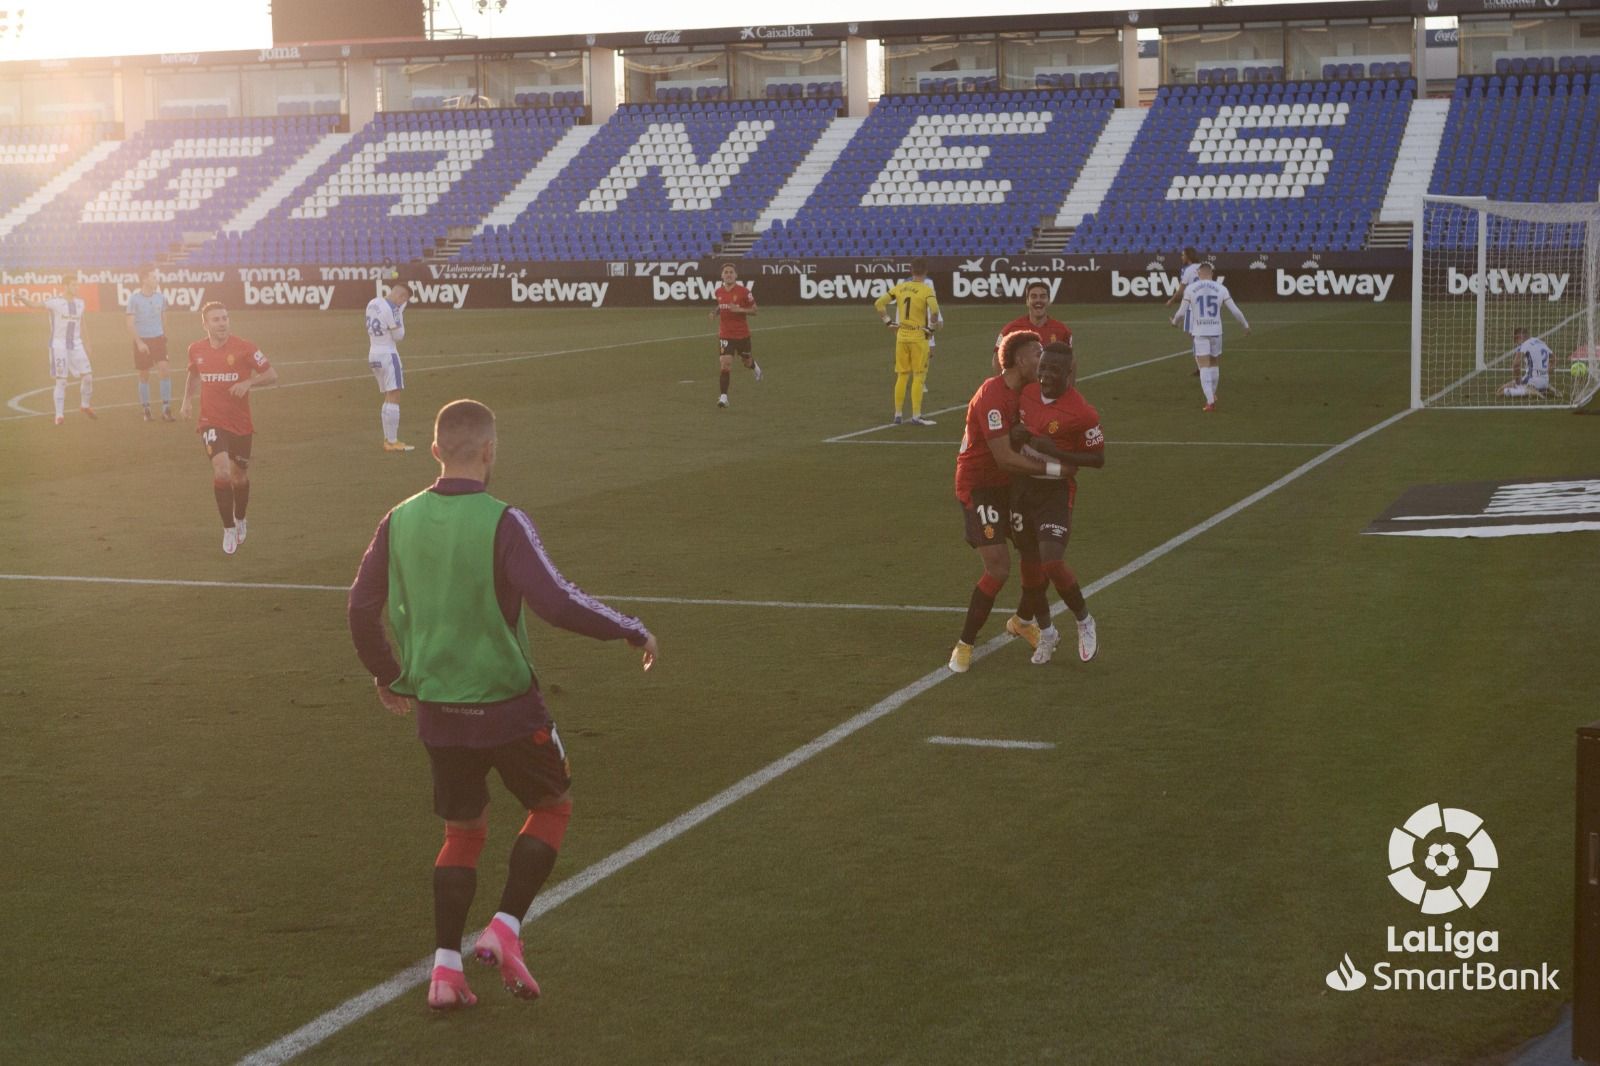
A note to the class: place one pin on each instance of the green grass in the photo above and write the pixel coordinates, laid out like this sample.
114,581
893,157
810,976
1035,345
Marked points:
213,834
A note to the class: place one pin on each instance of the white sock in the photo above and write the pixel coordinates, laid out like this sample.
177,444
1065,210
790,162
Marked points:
1208,382
450,960
61,396
85,390
391,422
1086,619
1049,631
514,923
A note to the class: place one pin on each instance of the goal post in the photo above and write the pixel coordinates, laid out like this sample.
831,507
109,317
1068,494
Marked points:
1489,278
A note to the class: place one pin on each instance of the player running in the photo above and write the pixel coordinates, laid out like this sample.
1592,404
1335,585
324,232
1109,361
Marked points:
735,305
916,318
1201,311
223,368
984,468
69,348
1530,365
386,325
1058,423
1036,319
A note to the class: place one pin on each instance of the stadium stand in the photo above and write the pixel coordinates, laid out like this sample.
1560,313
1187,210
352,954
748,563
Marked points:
173,177
1296,166
1523,138
947,175
664,181
32,155
398,187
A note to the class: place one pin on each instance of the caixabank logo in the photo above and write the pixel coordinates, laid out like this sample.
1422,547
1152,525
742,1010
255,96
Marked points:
1441,861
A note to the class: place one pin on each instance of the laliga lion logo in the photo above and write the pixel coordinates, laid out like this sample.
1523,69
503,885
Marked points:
1441,859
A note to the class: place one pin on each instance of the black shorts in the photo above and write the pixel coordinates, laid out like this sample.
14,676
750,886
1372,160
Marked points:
158,352
739,346
218,441
534,770
990,518
1045,510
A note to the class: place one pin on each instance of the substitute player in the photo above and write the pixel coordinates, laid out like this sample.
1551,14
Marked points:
386,327
1201,312
1036,319
451,569
984,468
69,349
224,368
147,310
735,305
1057,422
915,319
1530,363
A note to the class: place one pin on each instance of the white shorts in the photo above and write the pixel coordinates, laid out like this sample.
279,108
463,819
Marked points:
386,368
1207,346
65,361
1534,389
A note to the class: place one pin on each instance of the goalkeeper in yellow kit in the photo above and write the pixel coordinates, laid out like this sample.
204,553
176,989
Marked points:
917,309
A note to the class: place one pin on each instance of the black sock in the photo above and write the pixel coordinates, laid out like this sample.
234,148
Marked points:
1038,600
1073,598
978,609
453,889
531,863
241,498
724,380
224,493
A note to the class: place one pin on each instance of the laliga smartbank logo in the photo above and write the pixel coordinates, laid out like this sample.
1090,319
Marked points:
1441,860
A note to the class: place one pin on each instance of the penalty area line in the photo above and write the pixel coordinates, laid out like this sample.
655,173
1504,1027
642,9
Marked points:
359,1006
976,742
845,437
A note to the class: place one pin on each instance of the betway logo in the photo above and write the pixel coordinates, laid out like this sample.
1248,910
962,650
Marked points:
1148,285
425,294
551,291
693,290
844,287
285,294
1505,283
1012,288
1331,283
177,295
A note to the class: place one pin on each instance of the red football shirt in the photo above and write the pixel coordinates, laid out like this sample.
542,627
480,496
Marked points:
220,369
733,326
1069,420
991,413
1049,333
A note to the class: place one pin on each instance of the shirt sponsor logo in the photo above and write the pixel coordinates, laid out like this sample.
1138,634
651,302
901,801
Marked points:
1508,283
554,291
230,376
1333,283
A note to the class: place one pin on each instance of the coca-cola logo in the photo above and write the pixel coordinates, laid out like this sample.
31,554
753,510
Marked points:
664,37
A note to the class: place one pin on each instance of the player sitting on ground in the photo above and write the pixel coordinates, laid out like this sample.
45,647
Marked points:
1530,366
1057,423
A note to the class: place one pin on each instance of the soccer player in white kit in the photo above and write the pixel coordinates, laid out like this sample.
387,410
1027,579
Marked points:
1203,301
1531,364
386,325
69,351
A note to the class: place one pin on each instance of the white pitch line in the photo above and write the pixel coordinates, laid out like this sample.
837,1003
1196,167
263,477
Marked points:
974,742
15,403
843,437
1135,443
797,605
359,1006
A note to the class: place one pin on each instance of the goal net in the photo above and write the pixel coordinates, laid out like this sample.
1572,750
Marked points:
1494,285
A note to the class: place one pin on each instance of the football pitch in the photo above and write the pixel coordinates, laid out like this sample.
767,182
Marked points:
214,836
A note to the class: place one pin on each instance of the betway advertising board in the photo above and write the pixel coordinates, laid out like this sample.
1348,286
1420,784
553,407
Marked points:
1377,277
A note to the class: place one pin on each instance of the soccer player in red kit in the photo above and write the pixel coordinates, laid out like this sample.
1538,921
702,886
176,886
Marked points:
1057,423
1035,320
735,305
224,368
984,469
